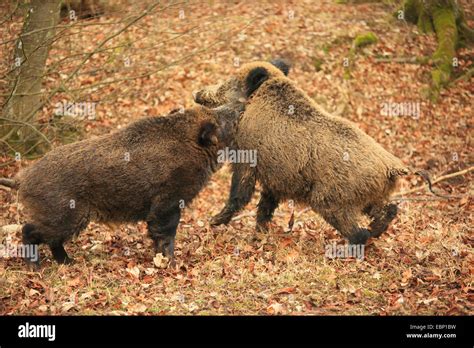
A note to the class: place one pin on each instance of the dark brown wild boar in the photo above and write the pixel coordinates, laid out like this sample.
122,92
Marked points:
146,172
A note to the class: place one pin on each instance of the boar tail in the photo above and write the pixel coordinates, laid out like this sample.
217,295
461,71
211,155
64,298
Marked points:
9,183
394,173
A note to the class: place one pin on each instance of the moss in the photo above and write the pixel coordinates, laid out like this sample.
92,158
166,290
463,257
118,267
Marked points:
444,21
358,2
365,40
437,77
424,23
423,60
445,25
466,35
347,74
440,17
437,81
410,10
339,40
317,63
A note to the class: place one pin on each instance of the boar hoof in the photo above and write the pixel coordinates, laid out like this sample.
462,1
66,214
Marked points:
381,223
262,227
164,244
67,261
60,255
172,263
220,219
34,266
359,237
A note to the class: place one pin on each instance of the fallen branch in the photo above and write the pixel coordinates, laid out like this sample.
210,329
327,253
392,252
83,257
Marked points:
425,199
248,214
36,130
6,164
403,60
466,76
301,212
441,178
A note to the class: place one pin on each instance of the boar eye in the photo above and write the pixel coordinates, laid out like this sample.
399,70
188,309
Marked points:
208,134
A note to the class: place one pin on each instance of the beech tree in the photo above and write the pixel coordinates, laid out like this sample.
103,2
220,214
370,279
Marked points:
26,75
445,18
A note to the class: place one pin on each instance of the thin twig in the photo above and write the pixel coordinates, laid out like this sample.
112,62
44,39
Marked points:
29,125
247,214
403,60
81,64
441,178
464,77
10,16
426,199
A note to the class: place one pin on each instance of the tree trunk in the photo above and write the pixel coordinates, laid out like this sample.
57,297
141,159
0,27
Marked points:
445,18
82,8
26,78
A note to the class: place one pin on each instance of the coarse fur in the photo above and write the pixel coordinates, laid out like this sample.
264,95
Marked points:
147,171
304,154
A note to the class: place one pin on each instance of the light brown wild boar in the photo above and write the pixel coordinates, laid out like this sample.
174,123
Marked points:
147,171
304,154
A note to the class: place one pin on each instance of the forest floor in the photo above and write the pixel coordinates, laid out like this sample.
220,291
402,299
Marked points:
422,265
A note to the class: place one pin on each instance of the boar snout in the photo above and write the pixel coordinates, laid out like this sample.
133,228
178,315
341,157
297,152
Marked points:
198,97
205,98
210,97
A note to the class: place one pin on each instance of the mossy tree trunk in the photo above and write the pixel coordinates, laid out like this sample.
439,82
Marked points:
446,19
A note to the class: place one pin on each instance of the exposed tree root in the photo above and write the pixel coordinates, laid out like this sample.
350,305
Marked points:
446,19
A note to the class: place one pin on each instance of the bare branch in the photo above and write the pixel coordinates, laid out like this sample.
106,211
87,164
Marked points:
439,179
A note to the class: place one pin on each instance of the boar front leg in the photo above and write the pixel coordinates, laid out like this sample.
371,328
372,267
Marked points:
59,254
162,224
381,216
345,222
266,207
241,190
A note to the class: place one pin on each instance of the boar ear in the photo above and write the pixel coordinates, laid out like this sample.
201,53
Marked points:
254,79
282,64
208,134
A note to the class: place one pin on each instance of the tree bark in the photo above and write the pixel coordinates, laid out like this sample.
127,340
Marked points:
446,19
82,8
26,78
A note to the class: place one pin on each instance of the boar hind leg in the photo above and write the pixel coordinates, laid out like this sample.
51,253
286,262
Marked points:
34,235
381,218
162,225
266,206
346,224
241,191
32,238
